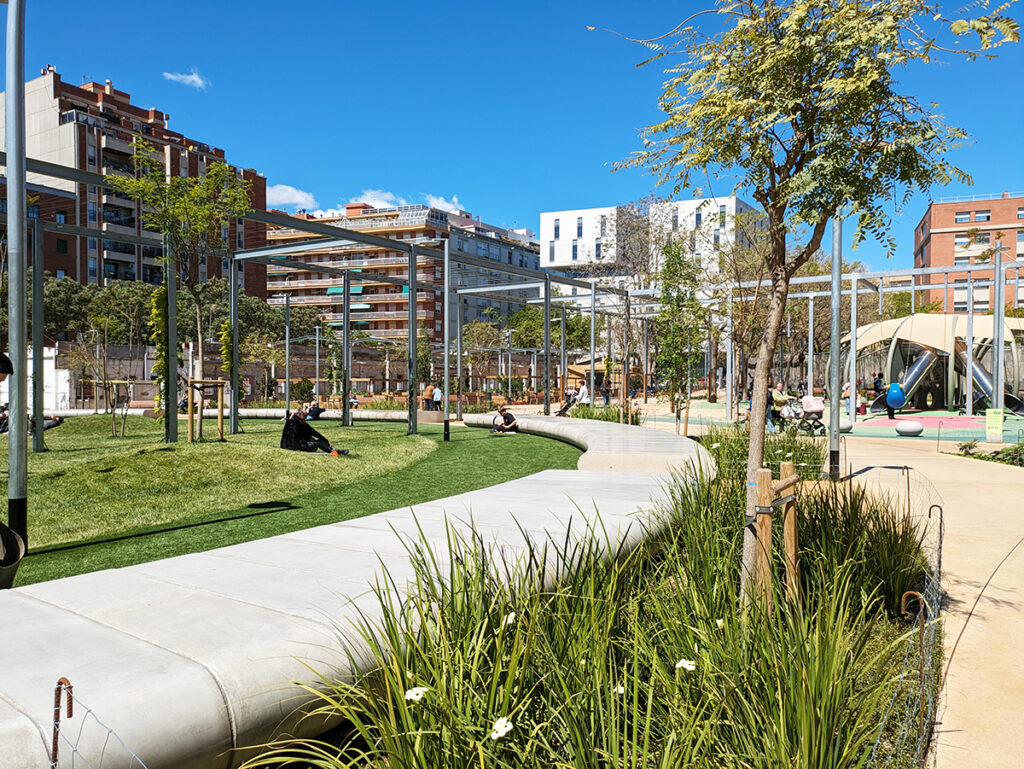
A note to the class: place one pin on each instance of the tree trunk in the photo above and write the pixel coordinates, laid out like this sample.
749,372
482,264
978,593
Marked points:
713,367
758,418
199,356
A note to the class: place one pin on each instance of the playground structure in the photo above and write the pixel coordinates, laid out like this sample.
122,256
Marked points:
930,355
200,385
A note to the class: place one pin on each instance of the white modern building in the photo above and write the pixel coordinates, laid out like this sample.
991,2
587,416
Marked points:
572,239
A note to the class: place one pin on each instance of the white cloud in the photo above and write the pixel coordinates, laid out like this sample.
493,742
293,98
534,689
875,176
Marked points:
379,199
441,203
192,78
288,196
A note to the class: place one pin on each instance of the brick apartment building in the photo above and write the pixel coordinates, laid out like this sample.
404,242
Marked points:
960,231
48,204
381,309
91,128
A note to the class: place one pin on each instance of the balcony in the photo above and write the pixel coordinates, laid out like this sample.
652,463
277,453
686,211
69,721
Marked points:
112,198
117,256
114,142
402,315
115,165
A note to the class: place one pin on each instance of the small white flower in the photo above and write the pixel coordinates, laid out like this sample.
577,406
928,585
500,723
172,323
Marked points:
415,694
715,445
720,623
500,728
686,665
510,619
620,689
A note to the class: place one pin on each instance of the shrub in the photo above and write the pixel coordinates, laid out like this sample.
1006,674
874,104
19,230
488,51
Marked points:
605,413
302,390
385,403
729,445
967,448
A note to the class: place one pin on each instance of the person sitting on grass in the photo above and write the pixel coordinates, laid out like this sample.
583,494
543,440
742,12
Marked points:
299,435
313,411
508,423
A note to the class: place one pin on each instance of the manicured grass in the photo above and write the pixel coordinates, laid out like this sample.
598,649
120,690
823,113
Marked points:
196,497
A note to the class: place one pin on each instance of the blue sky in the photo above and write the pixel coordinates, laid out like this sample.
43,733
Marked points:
510,108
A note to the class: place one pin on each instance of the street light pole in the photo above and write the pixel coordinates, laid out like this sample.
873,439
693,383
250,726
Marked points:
287,353
447,338
833,374
235,374
316,364
17,456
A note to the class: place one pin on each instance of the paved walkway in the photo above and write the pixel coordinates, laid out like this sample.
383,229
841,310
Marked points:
188,658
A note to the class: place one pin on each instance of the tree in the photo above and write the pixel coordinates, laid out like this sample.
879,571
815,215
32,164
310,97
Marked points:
681,321
262,348
66,307
189,211
800,100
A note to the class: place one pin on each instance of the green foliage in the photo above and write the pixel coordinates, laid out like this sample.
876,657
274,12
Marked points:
302,391
66,306
158,332
1011,455
680,329
967,448
571,658
527,326
423,356
730,446
516,383
227,346
606,413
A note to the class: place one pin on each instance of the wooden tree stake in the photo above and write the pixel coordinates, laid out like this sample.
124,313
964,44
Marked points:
763,568
790,538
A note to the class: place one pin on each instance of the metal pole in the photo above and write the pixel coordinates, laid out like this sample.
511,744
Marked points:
547,344
608,369
508,368
647,361
913,295
810,345
593,307
287,353
17,456
316,362
969,406
171,385
235,377
458,355
38,418
346,349
413,394
728,367
833,374
945,294
998,335
626,400
447,338
563,358
852,407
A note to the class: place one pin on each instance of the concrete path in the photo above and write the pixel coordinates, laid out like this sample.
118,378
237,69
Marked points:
189,658
983,502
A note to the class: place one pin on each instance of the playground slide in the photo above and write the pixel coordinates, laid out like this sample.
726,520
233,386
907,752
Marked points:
983,381
925,361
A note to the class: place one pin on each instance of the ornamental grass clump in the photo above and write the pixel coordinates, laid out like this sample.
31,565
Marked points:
730,445
584,653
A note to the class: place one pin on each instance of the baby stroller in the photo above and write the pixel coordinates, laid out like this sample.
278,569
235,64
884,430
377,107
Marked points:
808,413
570,401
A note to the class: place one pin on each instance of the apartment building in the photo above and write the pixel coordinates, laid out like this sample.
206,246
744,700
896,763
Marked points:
964,231
580,239
91,128
50,205
381,309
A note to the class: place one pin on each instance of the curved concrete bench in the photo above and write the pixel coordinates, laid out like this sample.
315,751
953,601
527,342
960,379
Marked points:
191,658
609,446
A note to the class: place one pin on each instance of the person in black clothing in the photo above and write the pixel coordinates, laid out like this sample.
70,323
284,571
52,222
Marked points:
314,411
508,422
6,368
299,435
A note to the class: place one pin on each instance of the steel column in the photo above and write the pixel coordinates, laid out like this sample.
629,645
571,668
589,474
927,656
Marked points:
413,388
458,355
287,353
346,349
447,339
728,368
998,329
969,397
835,389
852,361
945,294
38,417
810,345
593,308
647,362
563,358
235,378
316,362
547,344
171,385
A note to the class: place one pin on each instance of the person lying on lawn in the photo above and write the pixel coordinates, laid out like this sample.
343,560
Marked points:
299,435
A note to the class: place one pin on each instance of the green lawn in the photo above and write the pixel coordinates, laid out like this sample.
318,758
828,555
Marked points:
189,497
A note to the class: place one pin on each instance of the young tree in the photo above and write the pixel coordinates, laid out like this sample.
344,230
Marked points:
681,321
800,100
189,211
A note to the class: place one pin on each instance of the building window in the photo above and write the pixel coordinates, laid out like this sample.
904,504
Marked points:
557,228
574,250
961,240
961,259
62,217
62,246
33,212
92,211
982,238
960,306
1020,236
962,216
92,266
718,239
983,216
597,248
721,217
240,238
675,219
579,226
696,218
1020,212
551,250
604,221
91,155
92,244
62,274
3,205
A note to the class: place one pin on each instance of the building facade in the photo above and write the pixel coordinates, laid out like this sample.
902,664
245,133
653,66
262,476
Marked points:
968,231
91,128
381,309
580,239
